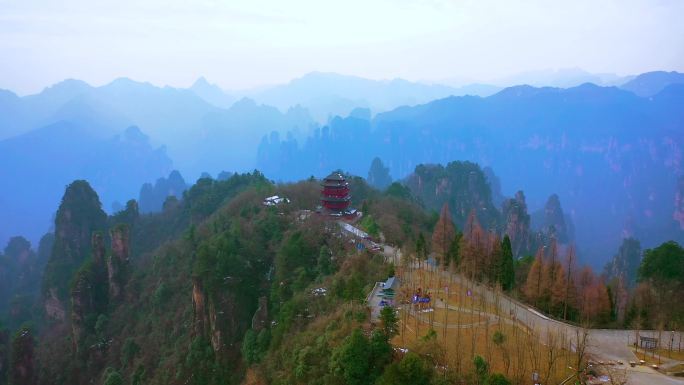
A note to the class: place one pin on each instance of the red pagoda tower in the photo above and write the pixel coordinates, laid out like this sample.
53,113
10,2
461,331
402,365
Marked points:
335,196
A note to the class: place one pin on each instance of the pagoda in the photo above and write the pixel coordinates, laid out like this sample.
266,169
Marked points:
335,197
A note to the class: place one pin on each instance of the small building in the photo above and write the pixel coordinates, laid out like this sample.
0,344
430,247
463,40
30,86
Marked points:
275,200
389,287
648,342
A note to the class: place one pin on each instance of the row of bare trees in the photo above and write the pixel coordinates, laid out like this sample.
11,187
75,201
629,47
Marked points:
557,286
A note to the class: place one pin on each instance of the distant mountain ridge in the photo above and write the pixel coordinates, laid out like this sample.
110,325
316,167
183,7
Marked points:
563,78
37,165
330,94
651,83
601,149
206,129
178,118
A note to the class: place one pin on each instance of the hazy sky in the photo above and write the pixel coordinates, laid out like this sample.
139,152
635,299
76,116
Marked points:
247,43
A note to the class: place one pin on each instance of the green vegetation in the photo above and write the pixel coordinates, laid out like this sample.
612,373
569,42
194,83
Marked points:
220,289
389,321
79,215
664,264
462,185
369,224
505,268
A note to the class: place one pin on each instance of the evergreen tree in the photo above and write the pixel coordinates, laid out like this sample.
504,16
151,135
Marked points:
112,377
250,350
412,369
351,361
498,379
481,369
664,264
324,262
506,266
421,247
381,353
454,254
389,321
400,191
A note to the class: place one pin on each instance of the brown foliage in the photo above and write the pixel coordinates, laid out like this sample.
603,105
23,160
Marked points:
594,300
533,285
443,234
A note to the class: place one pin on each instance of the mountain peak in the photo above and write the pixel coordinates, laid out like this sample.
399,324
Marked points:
650,83
201,82
124,82
70,86
245,102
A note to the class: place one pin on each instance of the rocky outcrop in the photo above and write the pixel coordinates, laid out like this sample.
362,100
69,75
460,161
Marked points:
22,369
199,306
79,215
625,264
679,203
87,292
118,262
98,249
215,318
517,224
462,185
554,222
205,316
81,306
152,197
54,307
260,318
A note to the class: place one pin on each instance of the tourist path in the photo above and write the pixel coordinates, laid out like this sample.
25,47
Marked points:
603,344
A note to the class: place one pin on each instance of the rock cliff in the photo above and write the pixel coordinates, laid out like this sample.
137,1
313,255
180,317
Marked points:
517,224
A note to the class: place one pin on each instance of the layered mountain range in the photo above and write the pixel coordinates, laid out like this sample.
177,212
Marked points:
611,154
612,157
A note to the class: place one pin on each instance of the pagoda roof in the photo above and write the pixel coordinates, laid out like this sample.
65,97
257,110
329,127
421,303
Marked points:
335,176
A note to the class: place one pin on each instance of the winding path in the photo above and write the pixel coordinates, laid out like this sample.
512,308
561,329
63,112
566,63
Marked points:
603,344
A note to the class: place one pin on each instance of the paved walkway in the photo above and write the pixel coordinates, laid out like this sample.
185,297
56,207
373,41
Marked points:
603,344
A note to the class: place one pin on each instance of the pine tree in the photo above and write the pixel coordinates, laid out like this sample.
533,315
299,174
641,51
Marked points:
506,266
454,254
493,258
351,361
421,247
389,321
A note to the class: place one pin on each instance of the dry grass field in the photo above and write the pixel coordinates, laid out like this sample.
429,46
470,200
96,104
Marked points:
472,327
